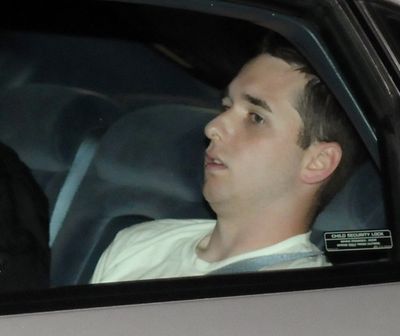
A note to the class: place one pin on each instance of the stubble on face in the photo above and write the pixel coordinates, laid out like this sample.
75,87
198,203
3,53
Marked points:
256,163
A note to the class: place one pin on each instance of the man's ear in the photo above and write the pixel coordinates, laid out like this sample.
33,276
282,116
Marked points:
320,161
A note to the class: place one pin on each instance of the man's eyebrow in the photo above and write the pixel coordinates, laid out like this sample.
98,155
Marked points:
257,102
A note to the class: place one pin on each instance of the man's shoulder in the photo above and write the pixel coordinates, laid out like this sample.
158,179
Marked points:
156,229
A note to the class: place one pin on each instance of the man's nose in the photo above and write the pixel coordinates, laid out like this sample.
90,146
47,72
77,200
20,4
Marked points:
211,130
218,128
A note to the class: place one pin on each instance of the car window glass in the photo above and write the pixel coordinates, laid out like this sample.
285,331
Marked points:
384,20
109,117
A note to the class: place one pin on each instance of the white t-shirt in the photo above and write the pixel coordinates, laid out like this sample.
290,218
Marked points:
167,248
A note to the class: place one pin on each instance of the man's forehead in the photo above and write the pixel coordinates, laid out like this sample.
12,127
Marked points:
267,75
273,69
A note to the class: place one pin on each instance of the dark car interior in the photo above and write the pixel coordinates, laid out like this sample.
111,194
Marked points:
109,116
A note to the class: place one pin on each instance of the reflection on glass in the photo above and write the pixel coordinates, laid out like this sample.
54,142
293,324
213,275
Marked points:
150,174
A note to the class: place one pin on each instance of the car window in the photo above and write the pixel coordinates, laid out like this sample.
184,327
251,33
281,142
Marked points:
113,116
383,19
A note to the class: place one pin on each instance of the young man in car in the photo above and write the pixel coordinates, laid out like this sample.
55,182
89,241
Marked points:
278,152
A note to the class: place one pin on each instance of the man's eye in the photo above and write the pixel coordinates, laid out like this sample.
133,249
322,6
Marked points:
224,107
256,118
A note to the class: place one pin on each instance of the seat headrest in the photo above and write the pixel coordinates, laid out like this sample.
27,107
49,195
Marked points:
157,149
45,124
358,206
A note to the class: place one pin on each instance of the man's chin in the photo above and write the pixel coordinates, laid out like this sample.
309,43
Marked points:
213,196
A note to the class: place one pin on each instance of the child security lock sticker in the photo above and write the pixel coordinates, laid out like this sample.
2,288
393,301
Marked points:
340,241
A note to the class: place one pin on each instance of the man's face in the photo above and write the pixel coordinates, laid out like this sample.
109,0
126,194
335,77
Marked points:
253,158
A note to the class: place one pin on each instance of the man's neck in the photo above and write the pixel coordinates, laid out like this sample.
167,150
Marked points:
240,231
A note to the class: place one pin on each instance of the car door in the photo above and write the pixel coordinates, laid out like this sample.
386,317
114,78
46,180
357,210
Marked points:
116,72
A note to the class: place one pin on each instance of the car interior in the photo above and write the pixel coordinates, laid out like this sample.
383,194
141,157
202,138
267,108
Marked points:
111,126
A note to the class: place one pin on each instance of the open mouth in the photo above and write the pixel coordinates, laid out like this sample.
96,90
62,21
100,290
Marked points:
211,162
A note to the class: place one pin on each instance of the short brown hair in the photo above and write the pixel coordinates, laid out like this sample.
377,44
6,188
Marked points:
324,120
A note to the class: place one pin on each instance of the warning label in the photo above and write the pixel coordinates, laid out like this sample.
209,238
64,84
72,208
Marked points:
358,240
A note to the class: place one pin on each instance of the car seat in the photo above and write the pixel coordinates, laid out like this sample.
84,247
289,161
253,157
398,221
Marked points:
149,166
47,126
358,206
